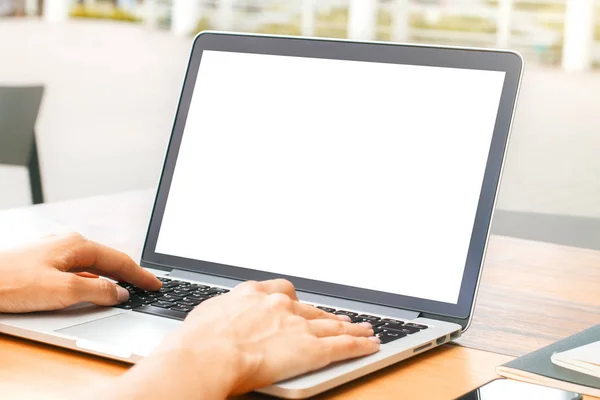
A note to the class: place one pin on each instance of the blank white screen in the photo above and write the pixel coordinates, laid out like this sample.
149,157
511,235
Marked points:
362,174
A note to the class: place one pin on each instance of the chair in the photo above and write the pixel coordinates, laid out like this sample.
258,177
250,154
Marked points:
19,107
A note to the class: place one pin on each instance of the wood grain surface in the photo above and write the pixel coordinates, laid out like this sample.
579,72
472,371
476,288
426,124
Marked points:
533,294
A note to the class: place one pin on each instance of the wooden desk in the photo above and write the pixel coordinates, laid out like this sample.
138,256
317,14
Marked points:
531,295
34,371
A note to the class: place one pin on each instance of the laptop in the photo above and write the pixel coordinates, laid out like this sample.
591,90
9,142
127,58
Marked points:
365,173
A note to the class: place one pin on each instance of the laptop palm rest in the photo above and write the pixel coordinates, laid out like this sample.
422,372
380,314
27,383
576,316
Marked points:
121,335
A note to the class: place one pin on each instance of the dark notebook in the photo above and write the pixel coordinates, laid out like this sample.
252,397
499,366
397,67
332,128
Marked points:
537,367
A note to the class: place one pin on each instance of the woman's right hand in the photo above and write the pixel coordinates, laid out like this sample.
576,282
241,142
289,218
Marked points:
256,335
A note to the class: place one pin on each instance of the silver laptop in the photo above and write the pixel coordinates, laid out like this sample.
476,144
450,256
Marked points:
365,173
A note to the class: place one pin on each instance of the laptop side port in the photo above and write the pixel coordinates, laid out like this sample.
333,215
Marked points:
441,340
425,346
454,335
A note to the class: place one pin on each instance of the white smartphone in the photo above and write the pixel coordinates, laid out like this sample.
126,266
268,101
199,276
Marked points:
503,389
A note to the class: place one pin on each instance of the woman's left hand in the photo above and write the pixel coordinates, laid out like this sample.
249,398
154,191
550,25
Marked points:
60,271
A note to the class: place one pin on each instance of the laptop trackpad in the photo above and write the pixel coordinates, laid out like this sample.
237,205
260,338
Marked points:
123,334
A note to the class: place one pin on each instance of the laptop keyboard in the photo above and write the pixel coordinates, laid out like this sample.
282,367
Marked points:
386,329
176,299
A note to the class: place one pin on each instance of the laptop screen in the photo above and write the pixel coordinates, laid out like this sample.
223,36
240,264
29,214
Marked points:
356,173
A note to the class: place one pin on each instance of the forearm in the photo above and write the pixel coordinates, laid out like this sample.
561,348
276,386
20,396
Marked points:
207,374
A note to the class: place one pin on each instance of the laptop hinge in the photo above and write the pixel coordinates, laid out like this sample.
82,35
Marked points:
335,302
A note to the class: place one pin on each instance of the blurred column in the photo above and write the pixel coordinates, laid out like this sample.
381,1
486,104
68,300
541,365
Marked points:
400,21
362,19
185,16
224,20
504,23
150,13
31,7
308,17
128,5
19,7
57,10
579,35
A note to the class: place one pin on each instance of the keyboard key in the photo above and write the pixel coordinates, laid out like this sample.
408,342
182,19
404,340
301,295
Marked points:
374,324
164,290
348,313
163,279
162,312
392,321
203,292
149,301
192,300
326,309
155,295
129,305
197,298
183,283
186,303
164,304
196,287
402,329
369,317
411,325
141,296
181,291
378,329
389,336
171,297
181,309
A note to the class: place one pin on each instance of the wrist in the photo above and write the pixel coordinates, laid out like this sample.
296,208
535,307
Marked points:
173,371
219,365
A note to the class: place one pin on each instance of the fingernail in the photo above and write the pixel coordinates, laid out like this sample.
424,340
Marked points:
366,325
344,318
122,294
375,339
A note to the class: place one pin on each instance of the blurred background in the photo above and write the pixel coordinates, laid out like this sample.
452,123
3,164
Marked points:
112,72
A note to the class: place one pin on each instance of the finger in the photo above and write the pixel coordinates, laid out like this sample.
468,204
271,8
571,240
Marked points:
87,275
279,286
94,271
97,291
326,327
86,254
340,348
119,266
310,312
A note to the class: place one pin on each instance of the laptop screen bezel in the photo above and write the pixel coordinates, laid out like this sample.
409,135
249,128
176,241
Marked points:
509,62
